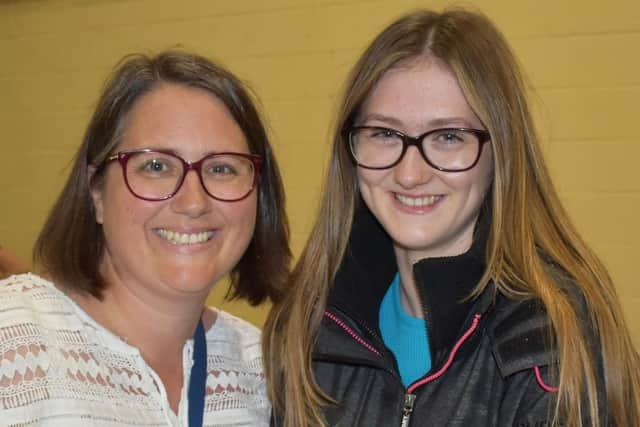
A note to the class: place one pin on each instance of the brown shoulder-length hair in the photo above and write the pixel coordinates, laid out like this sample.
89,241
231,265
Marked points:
531,237
71,243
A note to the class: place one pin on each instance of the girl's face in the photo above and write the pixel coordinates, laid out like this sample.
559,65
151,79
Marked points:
427,212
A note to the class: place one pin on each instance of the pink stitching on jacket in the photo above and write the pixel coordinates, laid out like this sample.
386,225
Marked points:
474,325
351,332
541,382
441,371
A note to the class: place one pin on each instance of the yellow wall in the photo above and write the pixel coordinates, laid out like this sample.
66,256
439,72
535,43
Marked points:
582,57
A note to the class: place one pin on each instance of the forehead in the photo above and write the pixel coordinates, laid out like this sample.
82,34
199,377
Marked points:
190,121
417,93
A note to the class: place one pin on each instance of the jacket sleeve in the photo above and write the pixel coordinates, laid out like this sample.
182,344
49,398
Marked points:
523,358
519,338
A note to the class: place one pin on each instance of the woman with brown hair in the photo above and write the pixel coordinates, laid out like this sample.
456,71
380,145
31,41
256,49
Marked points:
174,187
443,283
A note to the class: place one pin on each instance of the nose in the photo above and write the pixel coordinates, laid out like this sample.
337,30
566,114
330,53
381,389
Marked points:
191,199
412,170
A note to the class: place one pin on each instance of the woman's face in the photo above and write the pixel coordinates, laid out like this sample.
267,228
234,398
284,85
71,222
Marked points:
142,250
427,213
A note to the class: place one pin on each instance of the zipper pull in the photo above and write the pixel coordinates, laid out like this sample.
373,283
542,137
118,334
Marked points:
407,409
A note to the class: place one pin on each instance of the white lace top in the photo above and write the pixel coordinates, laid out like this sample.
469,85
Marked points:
58,367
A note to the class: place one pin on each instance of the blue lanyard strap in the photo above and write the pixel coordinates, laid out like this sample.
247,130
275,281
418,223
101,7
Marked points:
198,379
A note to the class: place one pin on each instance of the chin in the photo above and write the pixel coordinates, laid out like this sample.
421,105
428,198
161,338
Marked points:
414,243
190,281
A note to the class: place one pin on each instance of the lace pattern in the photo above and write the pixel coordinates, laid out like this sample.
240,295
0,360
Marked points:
58,367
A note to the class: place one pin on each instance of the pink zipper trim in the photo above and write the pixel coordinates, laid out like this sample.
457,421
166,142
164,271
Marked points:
351,332
541,382
435,375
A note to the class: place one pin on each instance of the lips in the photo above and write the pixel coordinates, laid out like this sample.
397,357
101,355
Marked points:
417,202
177,238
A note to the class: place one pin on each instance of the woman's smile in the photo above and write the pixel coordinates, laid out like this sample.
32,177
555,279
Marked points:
178,238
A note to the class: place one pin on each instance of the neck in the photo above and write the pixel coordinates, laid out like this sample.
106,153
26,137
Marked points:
156,327
408,291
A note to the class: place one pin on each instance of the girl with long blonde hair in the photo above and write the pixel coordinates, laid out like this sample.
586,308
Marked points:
443,283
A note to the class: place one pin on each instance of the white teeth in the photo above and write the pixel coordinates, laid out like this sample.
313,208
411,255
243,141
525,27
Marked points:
184,238
417,201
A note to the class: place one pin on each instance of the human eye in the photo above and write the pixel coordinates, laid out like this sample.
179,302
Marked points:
221,168
381,136
227,167
154,165
450,138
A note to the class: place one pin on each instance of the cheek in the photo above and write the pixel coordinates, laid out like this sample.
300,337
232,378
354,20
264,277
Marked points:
122,211
369,180
242,215
476,181
471,187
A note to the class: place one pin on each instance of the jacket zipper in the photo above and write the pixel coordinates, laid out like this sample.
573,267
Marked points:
409,396
407,409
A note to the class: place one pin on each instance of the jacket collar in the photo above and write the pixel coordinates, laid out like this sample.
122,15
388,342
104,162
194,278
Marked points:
369,265
445,284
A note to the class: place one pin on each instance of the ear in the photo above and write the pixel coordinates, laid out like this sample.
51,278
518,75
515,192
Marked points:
96,194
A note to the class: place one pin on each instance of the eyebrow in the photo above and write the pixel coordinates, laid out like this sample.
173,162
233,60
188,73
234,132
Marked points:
451,121
435,123
391,121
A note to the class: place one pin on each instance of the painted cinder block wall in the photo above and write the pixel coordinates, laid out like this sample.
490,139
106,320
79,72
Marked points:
581,56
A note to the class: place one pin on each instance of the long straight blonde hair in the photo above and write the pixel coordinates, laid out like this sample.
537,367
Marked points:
531,237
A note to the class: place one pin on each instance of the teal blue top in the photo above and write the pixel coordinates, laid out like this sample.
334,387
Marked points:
405,335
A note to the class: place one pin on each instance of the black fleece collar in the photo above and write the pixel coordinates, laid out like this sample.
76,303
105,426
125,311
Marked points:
444,284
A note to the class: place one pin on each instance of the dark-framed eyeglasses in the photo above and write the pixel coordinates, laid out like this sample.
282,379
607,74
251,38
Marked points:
445,149
156,175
